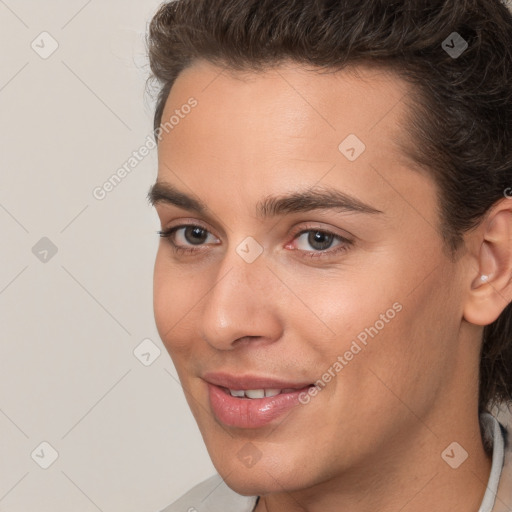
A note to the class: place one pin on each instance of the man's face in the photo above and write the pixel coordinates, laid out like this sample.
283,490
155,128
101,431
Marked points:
361,301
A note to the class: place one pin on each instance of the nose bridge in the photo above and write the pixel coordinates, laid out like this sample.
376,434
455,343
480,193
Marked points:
238,304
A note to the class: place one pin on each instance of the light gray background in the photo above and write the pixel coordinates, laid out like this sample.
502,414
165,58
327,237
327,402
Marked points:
68,326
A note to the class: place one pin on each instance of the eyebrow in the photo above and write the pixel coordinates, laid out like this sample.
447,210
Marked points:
319,198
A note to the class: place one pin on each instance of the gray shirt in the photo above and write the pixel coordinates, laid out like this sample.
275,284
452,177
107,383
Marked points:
213,495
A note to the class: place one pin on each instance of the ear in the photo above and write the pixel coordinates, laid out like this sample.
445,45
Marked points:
490,285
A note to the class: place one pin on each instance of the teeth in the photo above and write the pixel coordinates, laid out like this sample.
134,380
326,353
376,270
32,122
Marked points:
254,393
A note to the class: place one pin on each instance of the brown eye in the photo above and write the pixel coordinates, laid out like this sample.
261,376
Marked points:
188,238
320,240
318,243
316,239
195,235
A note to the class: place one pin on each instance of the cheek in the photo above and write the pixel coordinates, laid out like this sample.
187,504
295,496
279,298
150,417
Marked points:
164,296
173,299
408,360
341,307
391,333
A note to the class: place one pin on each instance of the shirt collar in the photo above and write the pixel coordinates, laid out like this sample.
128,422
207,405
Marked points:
492,432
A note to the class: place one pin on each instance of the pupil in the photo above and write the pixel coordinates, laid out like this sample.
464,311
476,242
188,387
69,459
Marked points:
198,235
316,237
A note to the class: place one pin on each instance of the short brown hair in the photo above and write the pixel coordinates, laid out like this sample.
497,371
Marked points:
462,117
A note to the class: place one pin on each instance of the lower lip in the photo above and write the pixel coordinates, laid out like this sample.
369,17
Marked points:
248,412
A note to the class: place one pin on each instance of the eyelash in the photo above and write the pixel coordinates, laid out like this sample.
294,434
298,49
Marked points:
344,246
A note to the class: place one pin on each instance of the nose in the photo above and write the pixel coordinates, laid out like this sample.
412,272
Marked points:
241,305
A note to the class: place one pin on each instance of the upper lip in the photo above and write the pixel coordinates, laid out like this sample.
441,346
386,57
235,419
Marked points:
239,382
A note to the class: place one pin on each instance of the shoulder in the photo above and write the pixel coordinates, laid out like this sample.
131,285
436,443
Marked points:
212,495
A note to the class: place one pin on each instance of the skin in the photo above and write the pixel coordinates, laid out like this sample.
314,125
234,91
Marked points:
372,438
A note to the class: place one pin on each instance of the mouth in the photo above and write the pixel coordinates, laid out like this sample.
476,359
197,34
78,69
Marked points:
249,383
251,402
254,394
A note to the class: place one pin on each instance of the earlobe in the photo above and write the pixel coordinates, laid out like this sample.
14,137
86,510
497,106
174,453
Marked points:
491,283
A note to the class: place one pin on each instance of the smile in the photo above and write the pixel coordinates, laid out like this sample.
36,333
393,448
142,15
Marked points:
251,408
258,393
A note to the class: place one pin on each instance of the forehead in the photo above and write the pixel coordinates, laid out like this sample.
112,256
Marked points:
377,84
267,131
290,102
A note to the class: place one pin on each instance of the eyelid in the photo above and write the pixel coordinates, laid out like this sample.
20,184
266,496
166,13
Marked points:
170,232
344,245
294,233
185,223
315,227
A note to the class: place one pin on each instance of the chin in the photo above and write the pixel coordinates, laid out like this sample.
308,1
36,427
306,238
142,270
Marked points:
252,482
270,474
